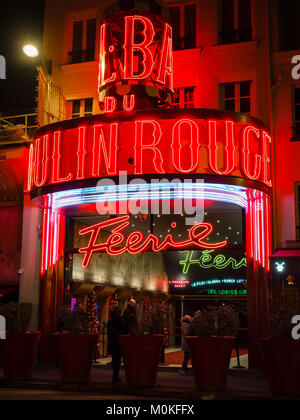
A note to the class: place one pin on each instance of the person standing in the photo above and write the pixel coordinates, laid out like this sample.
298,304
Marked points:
130,318
115,327
185,331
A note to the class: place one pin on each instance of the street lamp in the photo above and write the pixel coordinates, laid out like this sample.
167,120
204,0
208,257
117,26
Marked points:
32,51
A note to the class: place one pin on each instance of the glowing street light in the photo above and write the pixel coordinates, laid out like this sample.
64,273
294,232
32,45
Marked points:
30,51
33,52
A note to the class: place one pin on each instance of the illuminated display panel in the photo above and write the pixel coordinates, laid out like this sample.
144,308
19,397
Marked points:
213,272
161,142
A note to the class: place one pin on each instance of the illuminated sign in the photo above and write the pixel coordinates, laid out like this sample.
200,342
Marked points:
226,292
135,51
201,271
209,260
217,281
135,243
149,60
158,142
179,284
280,267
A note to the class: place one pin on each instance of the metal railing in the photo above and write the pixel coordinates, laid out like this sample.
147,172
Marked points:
27,121
232,37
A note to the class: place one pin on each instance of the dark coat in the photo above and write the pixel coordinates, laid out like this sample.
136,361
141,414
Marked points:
130,320
115,327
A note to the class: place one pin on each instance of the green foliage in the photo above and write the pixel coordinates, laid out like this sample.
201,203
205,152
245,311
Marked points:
17,317
218,322
154,317
281,323
74,322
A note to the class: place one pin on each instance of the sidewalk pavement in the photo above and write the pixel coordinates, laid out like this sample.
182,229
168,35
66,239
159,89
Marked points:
241,384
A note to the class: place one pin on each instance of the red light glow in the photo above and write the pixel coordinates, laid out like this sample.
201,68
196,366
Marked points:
135,243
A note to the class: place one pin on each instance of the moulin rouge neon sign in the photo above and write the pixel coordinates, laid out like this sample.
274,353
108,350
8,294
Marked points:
135,243
157,145
135,52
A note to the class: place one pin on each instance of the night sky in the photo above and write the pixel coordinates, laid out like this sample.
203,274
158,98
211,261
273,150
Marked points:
20,23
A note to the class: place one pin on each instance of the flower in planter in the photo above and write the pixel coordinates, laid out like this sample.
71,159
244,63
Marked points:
74,321
154,317
17,317
219,322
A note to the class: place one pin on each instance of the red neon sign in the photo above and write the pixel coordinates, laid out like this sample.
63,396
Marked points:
124,59
135,243
149,144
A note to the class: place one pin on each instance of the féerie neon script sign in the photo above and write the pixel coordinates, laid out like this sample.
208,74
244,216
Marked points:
207,260
135,243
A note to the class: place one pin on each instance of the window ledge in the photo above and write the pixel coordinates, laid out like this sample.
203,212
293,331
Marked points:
235,48
190,52
79,67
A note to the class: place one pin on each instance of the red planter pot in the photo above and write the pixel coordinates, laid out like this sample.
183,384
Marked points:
75,354
210,360
18,354
282,365
141,355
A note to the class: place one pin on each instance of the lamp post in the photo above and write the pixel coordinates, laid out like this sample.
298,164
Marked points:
32,51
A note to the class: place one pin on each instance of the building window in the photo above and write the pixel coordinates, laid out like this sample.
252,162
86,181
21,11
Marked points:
82,107
288,23
235,25
296,125
184,98
236,96
297,201
183,22
83,41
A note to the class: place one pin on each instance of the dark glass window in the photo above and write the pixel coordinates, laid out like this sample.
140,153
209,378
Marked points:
183,22
190,26
76,108
77,42
236,96
88,107
90,39
235,21
84,38
296,128
184,98
175,23
297,198
288,22
245,26
82,107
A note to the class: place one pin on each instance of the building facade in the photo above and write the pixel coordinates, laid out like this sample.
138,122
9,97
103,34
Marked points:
232,83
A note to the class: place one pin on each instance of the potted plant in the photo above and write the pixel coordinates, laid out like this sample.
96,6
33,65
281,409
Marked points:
211,347
142,351
18,350
281,354
74,346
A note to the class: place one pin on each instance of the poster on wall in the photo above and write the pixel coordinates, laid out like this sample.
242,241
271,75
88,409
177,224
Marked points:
207,272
